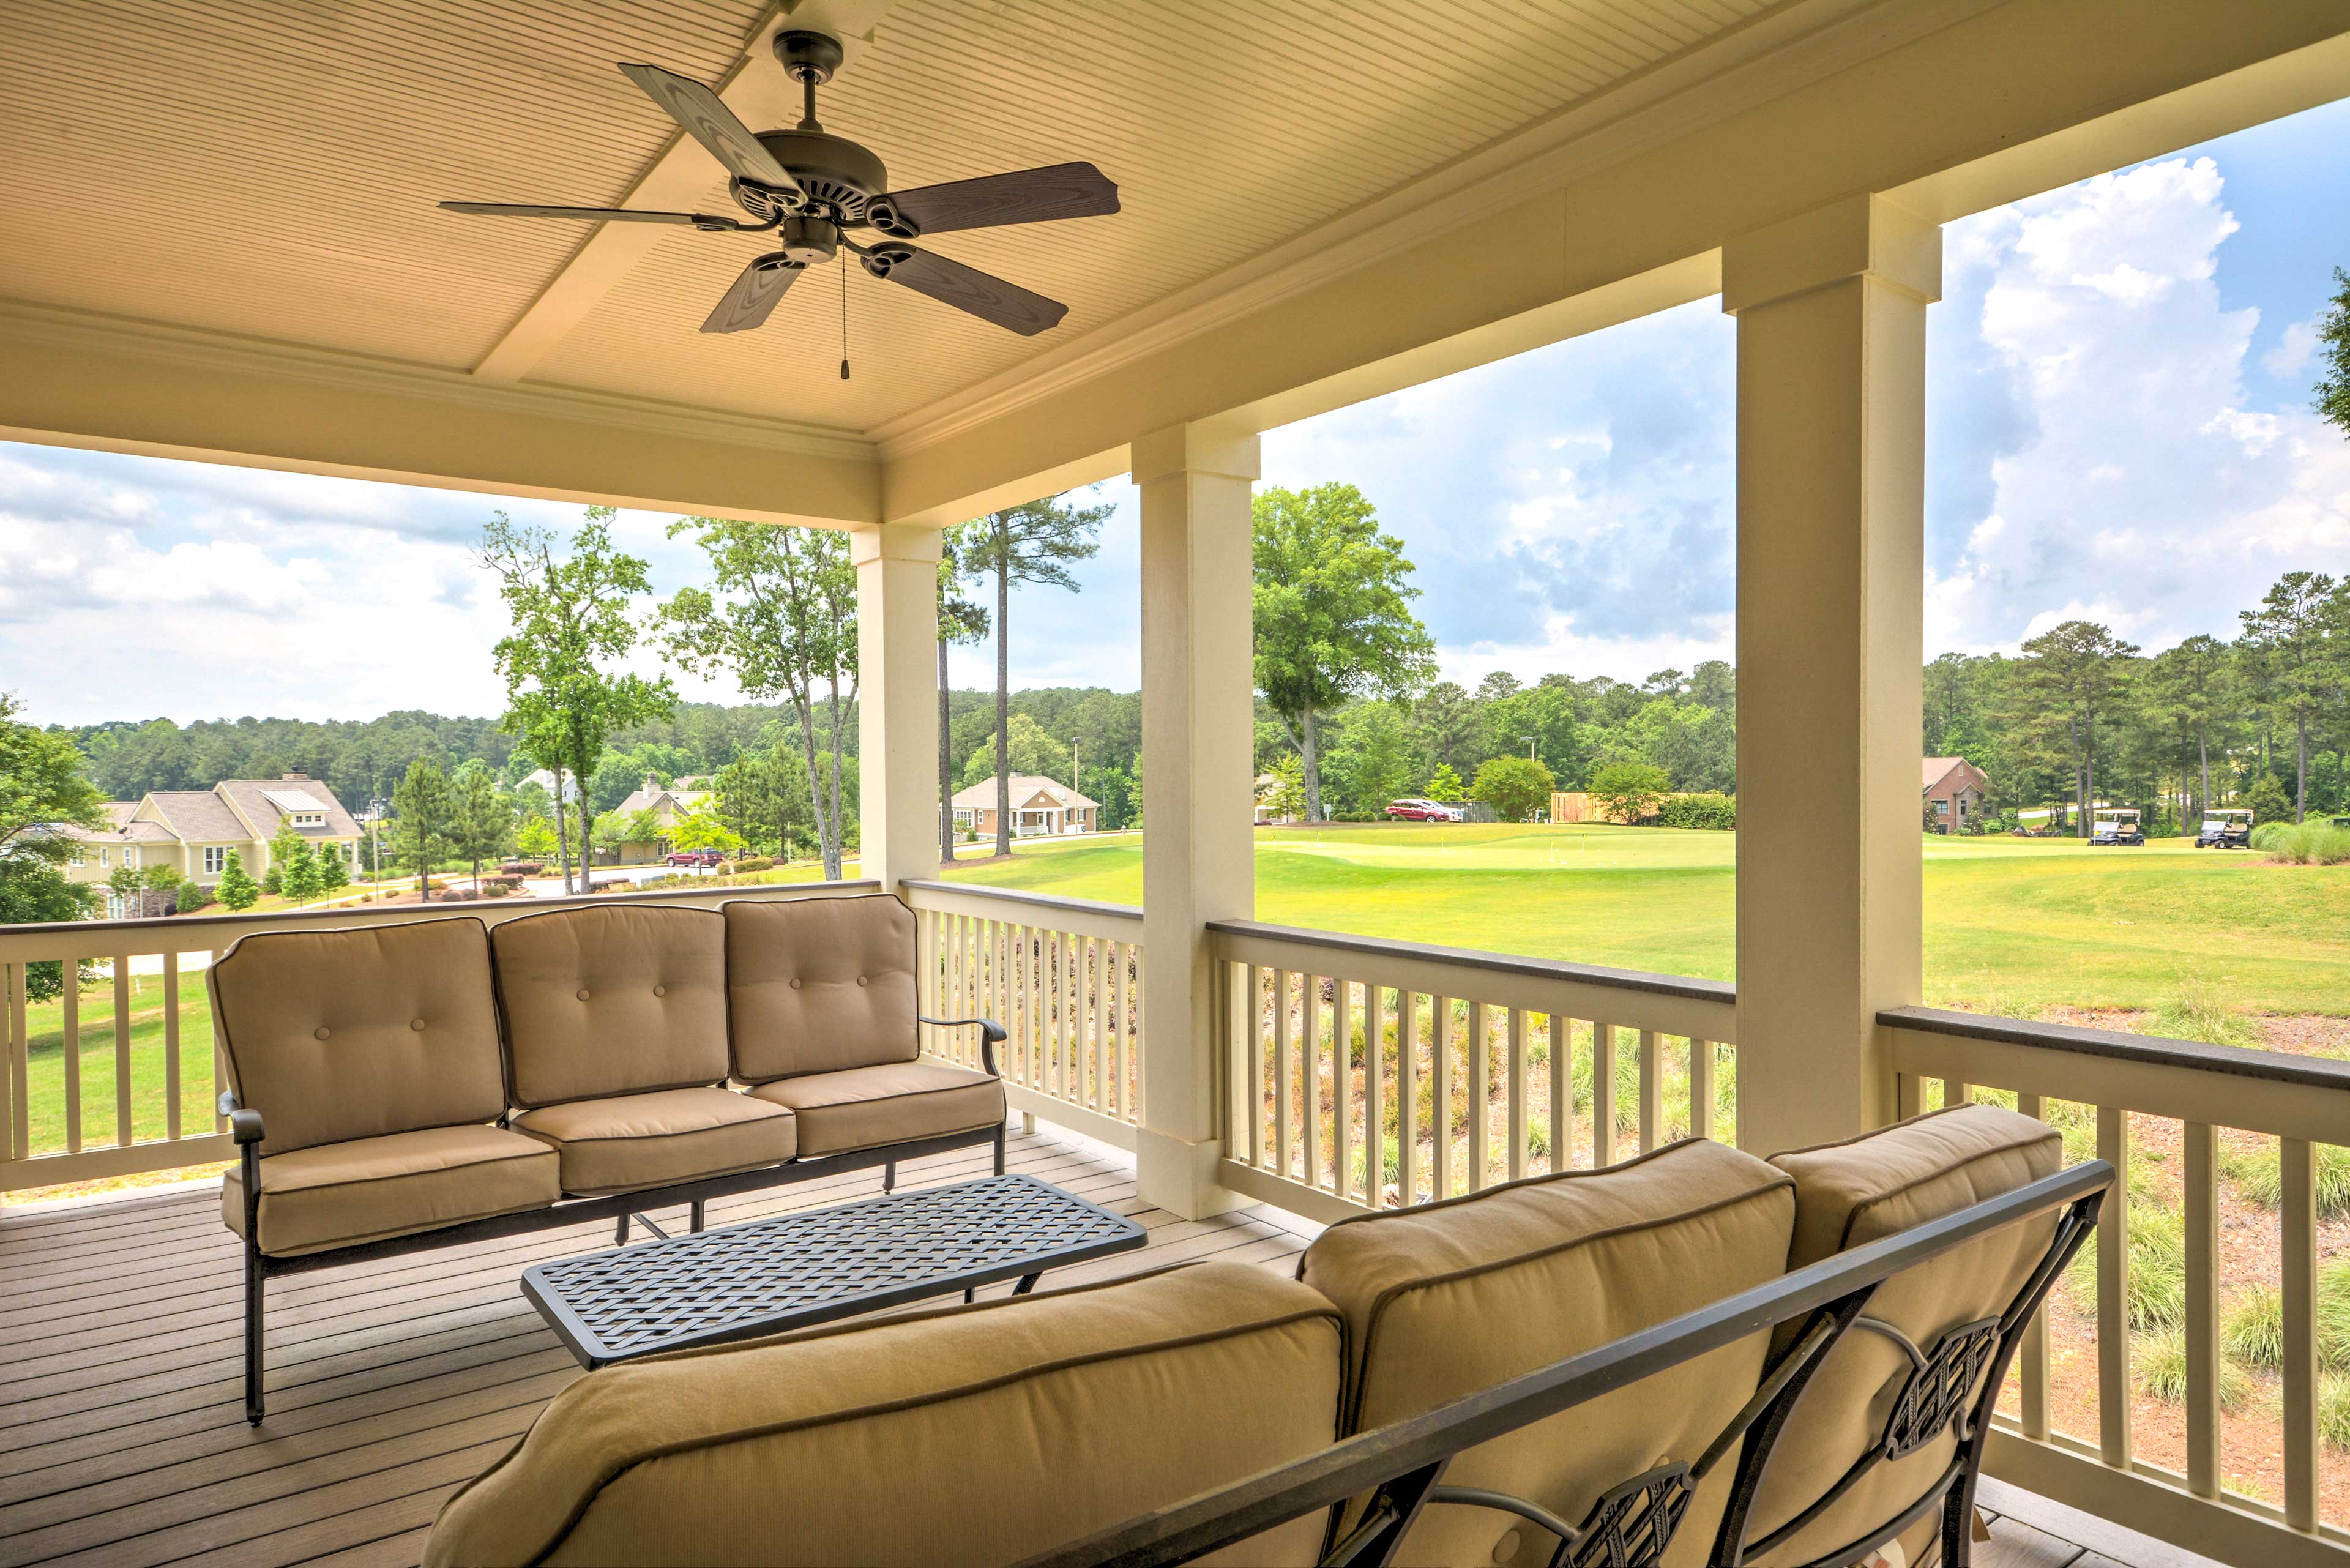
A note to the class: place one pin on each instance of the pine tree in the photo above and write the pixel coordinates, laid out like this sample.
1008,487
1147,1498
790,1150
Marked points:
237,890
299,874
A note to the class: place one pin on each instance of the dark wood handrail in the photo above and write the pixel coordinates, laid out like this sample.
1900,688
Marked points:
2151,1050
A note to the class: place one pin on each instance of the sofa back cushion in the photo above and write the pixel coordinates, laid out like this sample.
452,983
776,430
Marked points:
1450,1298
817,985
973,1435
1865,1189
334,1035
613,1000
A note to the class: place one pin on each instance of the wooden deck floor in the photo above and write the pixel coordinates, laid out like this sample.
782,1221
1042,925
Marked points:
122,1436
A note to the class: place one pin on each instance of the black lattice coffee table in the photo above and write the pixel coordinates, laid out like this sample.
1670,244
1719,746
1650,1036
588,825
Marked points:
799,1270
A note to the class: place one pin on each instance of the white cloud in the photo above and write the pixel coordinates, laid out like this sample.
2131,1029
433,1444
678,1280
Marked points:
2293,351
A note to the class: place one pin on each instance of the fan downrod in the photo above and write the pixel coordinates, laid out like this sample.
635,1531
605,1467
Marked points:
809,57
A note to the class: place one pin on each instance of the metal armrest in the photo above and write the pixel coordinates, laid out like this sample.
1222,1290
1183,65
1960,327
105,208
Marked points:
991,1035
244,1125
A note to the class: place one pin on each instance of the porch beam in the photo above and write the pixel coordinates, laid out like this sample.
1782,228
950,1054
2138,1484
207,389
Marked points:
1198,744
1831,310
897,699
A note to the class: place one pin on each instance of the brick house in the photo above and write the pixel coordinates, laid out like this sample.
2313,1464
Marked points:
1955,792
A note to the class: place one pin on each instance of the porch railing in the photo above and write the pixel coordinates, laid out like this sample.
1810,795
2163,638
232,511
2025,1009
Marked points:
1361,1074
2118,1097
1063,976
138,1096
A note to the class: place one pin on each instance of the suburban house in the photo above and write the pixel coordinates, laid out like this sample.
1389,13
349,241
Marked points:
1955,792
194,831
667,803
1039,806
544,779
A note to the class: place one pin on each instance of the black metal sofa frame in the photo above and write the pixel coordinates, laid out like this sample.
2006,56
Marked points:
245,1127
1402,1466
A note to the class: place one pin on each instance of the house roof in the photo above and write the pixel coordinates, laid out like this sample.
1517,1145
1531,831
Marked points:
198,817
1025,788
266,802
120,828
1940,768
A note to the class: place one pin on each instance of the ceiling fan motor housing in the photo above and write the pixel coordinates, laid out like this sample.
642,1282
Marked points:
834,172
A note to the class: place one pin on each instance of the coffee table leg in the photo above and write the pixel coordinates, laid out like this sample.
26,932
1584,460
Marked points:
970,1295
621,1232
889,1177
697,1214
1027,1282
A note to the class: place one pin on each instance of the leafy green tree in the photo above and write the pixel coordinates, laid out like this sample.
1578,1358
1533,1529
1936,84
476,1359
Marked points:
1031,543
1542,714
2068,682
1444,785
2267,798
1515,787
783,621
334,870
2333,353
2286,642
2190,685
1332,602
1034,753
572,627
535,838
236,888
701,827
125,885
960,622
1452,728
1630,791
1372,754
1285,798
421,812
481,815
298,878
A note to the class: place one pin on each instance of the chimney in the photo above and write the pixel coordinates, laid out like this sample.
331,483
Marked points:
289,778
652,785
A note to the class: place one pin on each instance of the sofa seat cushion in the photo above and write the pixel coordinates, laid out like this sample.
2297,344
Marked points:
1448,1298
865,1107
972,1434
340,1194
1864,1190
649,1140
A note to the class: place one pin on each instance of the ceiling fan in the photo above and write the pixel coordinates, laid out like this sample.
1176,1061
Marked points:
811,187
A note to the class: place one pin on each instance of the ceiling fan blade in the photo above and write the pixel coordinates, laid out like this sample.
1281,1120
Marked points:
989,298
753,297
712,124
592,214
1026,196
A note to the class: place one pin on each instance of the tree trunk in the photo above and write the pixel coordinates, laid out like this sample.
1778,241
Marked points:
2203,755
1002,688
946,768
587,845
804,705
2301,767
562,835
837,836
1309,751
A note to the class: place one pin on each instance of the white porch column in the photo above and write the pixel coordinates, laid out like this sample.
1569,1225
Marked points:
1831,311
1198,740
897,699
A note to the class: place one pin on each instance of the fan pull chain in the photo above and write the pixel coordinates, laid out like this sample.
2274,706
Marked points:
843,319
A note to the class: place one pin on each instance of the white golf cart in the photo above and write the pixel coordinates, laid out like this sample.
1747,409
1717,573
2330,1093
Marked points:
2116,825
2225,827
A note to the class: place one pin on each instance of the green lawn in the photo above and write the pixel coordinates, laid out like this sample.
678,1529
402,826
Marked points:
149,1112
2011,924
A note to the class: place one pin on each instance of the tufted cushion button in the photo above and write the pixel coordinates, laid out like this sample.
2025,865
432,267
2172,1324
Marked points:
583,994
796,982
860,979
1507,1547
322,1031
417,1025
661,991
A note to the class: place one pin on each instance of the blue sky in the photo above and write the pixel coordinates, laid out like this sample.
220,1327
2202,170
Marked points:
2117,427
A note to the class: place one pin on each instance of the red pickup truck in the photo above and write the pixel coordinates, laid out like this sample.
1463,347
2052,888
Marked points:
696,857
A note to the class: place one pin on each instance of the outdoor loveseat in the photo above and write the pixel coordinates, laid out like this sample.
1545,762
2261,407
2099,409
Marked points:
1694,1357
400,1088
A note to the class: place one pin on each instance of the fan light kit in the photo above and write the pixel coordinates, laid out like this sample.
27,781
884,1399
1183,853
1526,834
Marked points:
811,189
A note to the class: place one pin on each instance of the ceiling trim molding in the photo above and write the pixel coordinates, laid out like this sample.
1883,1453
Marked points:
90,332
1779,52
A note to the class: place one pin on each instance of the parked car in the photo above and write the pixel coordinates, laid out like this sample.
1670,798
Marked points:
522,869
2117,824
2225,827
696,857
1412,809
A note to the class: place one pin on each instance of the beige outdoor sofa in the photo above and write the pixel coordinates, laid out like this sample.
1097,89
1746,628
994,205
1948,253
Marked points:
1068,1427
398,1088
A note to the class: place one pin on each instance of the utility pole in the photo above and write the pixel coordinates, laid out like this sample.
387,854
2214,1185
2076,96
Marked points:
1075,788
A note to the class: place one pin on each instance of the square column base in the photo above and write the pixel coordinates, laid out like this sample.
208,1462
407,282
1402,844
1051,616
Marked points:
1180,1177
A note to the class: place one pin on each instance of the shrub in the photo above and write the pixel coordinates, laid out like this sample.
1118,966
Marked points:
2159,1360
754,863
2334,1412
2261,1176
1628,792
2310,842
193,896
2253,1330
2157,1268
2197,1012
1708,810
